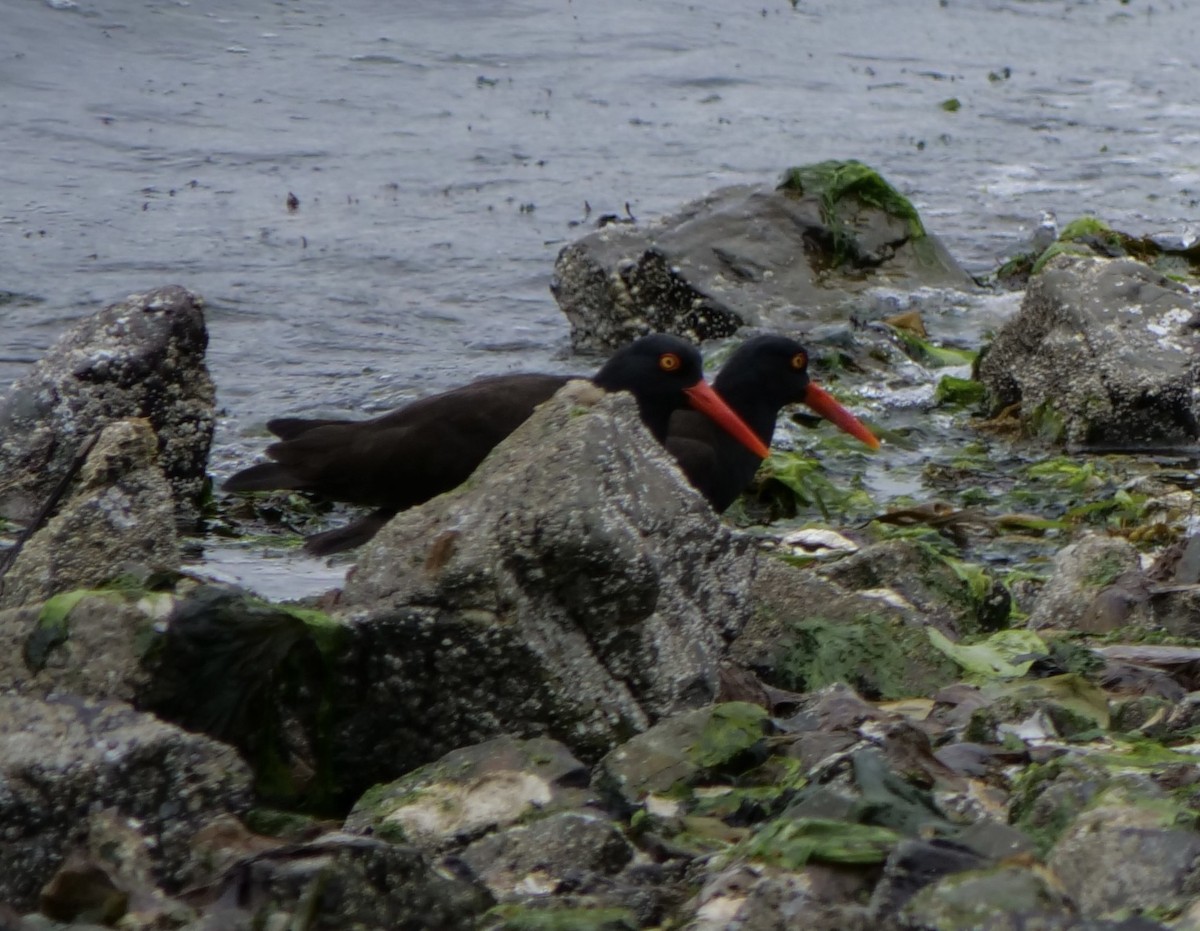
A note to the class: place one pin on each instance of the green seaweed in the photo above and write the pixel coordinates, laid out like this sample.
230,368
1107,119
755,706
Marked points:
925,352
733,731
807,481
841,187
52,628
791,843
1000,656
836,180
876,657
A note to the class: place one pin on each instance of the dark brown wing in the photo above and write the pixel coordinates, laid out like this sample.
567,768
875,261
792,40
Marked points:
406,456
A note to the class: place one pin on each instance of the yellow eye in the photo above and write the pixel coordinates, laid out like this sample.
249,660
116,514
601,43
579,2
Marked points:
669,362
799,361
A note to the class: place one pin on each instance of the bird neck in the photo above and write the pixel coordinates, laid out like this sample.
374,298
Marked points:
751,399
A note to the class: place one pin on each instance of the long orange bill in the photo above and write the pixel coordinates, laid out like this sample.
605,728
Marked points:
709,403
824,404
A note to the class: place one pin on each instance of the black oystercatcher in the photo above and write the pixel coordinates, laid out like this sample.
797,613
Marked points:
763,375
410,455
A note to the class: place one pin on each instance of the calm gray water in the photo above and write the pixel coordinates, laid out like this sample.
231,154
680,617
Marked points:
442,152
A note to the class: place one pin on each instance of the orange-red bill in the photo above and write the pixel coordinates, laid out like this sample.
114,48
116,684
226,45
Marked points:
824,404
709,403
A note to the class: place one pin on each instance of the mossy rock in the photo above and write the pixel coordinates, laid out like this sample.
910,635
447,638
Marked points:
693,748
879,658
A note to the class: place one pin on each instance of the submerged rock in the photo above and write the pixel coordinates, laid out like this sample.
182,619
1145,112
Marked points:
117,524
140,358
750,256
1103,353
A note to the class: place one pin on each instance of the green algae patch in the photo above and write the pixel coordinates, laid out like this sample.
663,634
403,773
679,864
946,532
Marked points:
256,675
880,659
952,391
526,918
806,482
52,628
951,105
930,354
835,181
1090,235
865,219
286,825
1000,656
1048,797
733,731
791,843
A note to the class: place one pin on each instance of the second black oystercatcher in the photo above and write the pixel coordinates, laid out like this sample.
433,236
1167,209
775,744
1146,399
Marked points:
410,455
763,375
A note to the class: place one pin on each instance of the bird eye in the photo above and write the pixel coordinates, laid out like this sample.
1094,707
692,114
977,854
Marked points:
800,361
669,362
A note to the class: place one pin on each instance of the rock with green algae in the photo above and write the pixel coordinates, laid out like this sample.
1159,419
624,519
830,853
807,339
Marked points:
1048,797
955,597
87,642
705,745
970,900
808,632
1125,854
1082,591
472,791
1067,706
750,255
1091,236
1110,346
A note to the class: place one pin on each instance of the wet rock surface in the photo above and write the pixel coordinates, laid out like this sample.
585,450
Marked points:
140,358
1103,353
749,256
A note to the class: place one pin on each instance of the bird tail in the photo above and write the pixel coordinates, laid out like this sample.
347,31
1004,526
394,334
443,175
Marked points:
266,476
288,428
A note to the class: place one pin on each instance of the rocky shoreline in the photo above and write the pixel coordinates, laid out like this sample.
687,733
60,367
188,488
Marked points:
567,695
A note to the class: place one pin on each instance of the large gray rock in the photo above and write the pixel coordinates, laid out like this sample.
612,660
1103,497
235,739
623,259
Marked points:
575,587
142,357
60,760
119,522
1103,352
748,256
